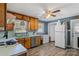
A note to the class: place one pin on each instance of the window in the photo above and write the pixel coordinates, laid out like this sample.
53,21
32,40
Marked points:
40,28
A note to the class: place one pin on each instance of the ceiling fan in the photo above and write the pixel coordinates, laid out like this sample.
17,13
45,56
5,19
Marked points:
49,13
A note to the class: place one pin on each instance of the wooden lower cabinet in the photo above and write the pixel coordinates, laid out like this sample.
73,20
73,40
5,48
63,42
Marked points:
21,41
37,40
28,42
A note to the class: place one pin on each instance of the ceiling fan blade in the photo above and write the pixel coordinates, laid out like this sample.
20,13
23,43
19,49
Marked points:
56,11
53,15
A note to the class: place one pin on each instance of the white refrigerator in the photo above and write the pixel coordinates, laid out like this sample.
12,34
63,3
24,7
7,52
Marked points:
60,35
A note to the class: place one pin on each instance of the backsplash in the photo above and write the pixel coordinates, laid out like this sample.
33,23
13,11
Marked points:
1,35
10,34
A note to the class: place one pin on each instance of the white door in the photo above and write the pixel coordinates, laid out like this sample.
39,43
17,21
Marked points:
60,35
60,39
51,30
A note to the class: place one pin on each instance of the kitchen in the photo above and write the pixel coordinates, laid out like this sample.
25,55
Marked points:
25,29
24,26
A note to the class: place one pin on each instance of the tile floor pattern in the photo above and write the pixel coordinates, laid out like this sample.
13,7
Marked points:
49,49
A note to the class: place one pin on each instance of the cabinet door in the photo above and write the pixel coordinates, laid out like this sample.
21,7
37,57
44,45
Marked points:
9,26
36,24
2,14
21,41
38,40
29,25
26,18
28,42
18,16
32,24
9,21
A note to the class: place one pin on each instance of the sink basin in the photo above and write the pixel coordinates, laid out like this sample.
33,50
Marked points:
34,35
4,40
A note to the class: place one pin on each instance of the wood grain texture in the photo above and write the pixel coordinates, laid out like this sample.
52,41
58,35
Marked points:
28,42
2,14
49,49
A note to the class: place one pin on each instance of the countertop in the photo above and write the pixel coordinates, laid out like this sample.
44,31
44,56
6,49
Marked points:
27,36
12,50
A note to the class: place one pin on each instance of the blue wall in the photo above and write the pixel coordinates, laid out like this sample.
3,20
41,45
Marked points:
46,28
65,19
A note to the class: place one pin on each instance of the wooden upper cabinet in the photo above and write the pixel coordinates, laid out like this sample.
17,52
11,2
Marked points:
26,18
36,24
32,24
18,16
9,21
2,14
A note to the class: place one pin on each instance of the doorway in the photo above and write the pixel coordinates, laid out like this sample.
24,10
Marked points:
75,33
51,31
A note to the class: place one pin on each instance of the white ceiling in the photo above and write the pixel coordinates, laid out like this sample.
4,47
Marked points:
37,9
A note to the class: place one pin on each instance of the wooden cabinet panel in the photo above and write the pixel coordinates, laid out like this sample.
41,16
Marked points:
28,42
9,26
2,14
9,21
38,40
36,24
10,16
18,16
32,24
21,41
26,18
28,26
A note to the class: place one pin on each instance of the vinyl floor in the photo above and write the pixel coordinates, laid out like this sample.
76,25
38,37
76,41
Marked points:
49,49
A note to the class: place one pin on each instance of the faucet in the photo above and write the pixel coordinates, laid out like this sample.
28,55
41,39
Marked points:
6,34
